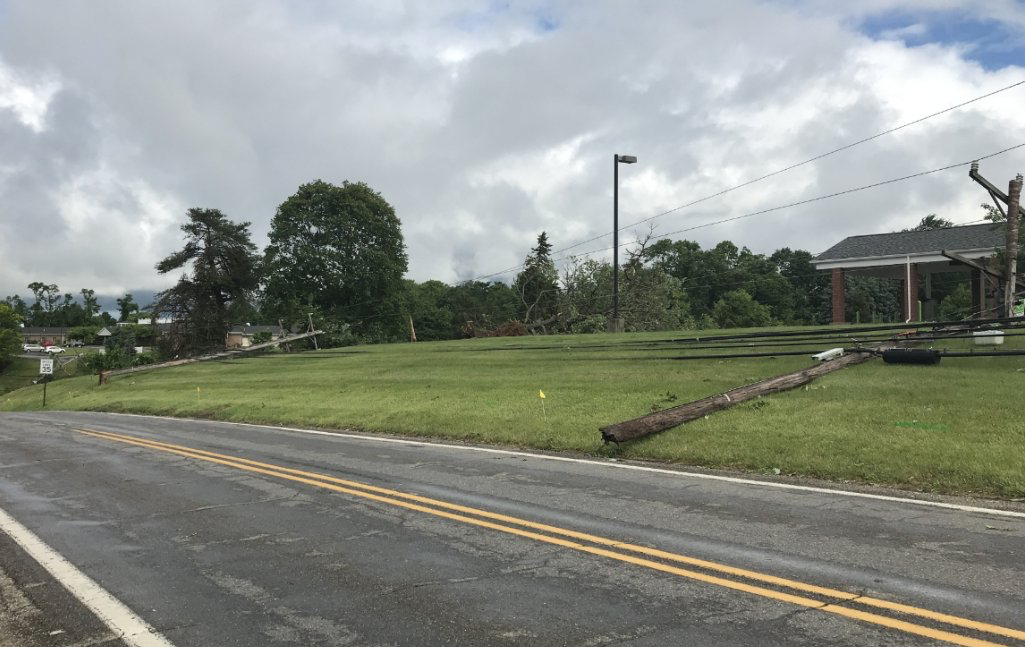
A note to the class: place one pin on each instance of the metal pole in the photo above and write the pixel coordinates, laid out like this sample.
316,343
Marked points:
615,238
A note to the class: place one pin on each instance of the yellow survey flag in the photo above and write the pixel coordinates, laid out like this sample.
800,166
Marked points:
541,394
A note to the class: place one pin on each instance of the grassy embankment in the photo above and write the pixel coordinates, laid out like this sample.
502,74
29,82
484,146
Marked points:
950,428
19,373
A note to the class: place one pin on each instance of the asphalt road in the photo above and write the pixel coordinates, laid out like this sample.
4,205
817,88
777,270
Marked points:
238,535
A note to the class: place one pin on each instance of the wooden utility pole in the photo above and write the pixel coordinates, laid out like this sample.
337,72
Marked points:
412,330
1013,200
668,418
316,346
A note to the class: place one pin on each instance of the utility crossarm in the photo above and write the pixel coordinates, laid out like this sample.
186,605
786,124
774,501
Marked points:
997,195
954,256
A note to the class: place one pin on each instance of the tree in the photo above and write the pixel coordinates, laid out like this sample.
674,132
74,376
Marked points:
18,305
811,288
218,285
126,306
10,333
649,297
338,251
957,305
480,306
871,298
932,221
90,305
538,284
47,299
425,307
86,333
738,309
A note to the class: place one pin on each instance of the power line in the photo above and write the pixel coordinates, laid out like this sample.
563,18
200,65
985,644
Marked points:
808,200
774,173
761,212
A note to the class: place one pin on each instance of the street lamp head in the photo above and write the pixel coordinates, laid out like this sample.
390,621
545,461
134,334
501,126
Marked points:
626,159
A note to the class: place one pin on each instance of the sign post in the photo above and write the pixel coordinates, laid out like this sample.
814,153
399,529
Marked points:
46,371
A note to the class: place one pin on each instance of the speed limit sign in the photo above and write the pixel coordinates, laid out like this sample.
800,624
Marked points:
46,366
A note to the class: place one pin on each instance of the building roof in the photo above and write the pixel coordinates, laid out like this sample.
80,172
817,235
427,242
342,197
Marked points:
252,330
901,243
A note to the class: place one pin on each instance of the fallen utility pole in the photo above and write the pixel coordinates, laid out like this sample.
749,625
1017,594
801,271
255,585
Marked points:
105,375
668,418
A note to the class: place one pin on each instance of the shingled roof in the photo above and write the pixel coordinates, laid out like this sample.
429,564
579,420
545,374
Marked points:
902,243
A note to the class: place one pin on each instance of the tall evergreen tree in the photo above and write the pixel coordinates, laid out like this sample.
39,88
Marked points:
218,284
538,284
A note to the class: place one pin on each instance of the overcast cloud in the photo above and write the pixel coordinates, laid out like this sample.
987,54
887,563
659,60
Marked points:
484,123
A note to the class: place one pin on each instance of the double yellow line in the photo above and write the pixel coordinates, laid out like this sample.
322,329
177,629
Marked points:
833,600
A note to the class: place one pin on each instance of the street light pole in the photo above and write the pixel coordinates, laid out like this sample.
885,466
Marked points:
616,325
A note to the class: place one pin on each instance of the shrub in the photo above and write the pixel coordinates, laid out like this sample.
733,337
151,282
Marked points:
738,309
957,305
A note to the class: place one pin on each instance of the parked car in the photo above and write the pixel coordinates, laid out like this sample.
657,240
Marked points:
54,350
32,348
76,343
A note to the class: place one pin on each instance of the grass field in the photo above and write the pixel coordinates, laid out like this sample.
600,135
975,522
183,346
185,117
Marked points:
18,374
953,427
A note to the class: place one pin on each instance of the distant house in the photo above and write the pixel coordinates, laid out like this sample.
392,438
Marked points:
242,336
46,336
103,335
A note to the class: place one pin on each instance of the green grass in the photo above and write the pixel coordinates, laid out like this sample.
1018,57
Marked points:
949,428
19,373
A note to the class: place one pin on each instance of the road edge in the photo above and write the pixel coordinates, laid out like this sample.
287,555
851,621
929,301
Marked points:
121,620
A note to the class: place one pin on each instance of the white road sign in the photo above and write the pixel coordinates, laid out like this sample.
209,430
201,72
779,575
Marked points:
46,366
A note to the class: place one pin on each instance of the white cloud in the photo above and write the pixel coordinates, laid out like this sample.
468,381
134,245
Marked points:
27,99
481,127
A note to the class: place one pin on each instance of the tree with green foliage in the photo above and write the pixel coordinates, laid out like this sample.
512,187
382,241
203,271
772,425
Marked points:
649,297
52,308
218,285
126,306
957,305
537,285
18,305
871,298
811,288
85,334
90,306
737,309
930,222
43,311
338,252
425,307
10,334
480,306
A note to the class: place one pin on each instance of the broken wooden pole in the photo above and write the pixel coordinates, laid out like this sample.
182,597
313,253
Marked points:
203,358
668,418
1013,199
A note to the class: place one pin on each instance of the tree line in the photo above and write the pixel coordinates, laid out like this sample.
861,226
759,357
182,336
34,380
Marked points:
336,257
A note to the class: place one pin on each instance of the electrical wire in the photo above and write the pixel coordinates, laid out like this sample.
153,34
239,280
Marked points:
757,213
774,173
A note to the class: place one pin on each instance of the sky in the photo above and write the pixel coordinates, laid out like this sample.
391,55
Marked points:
485,123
